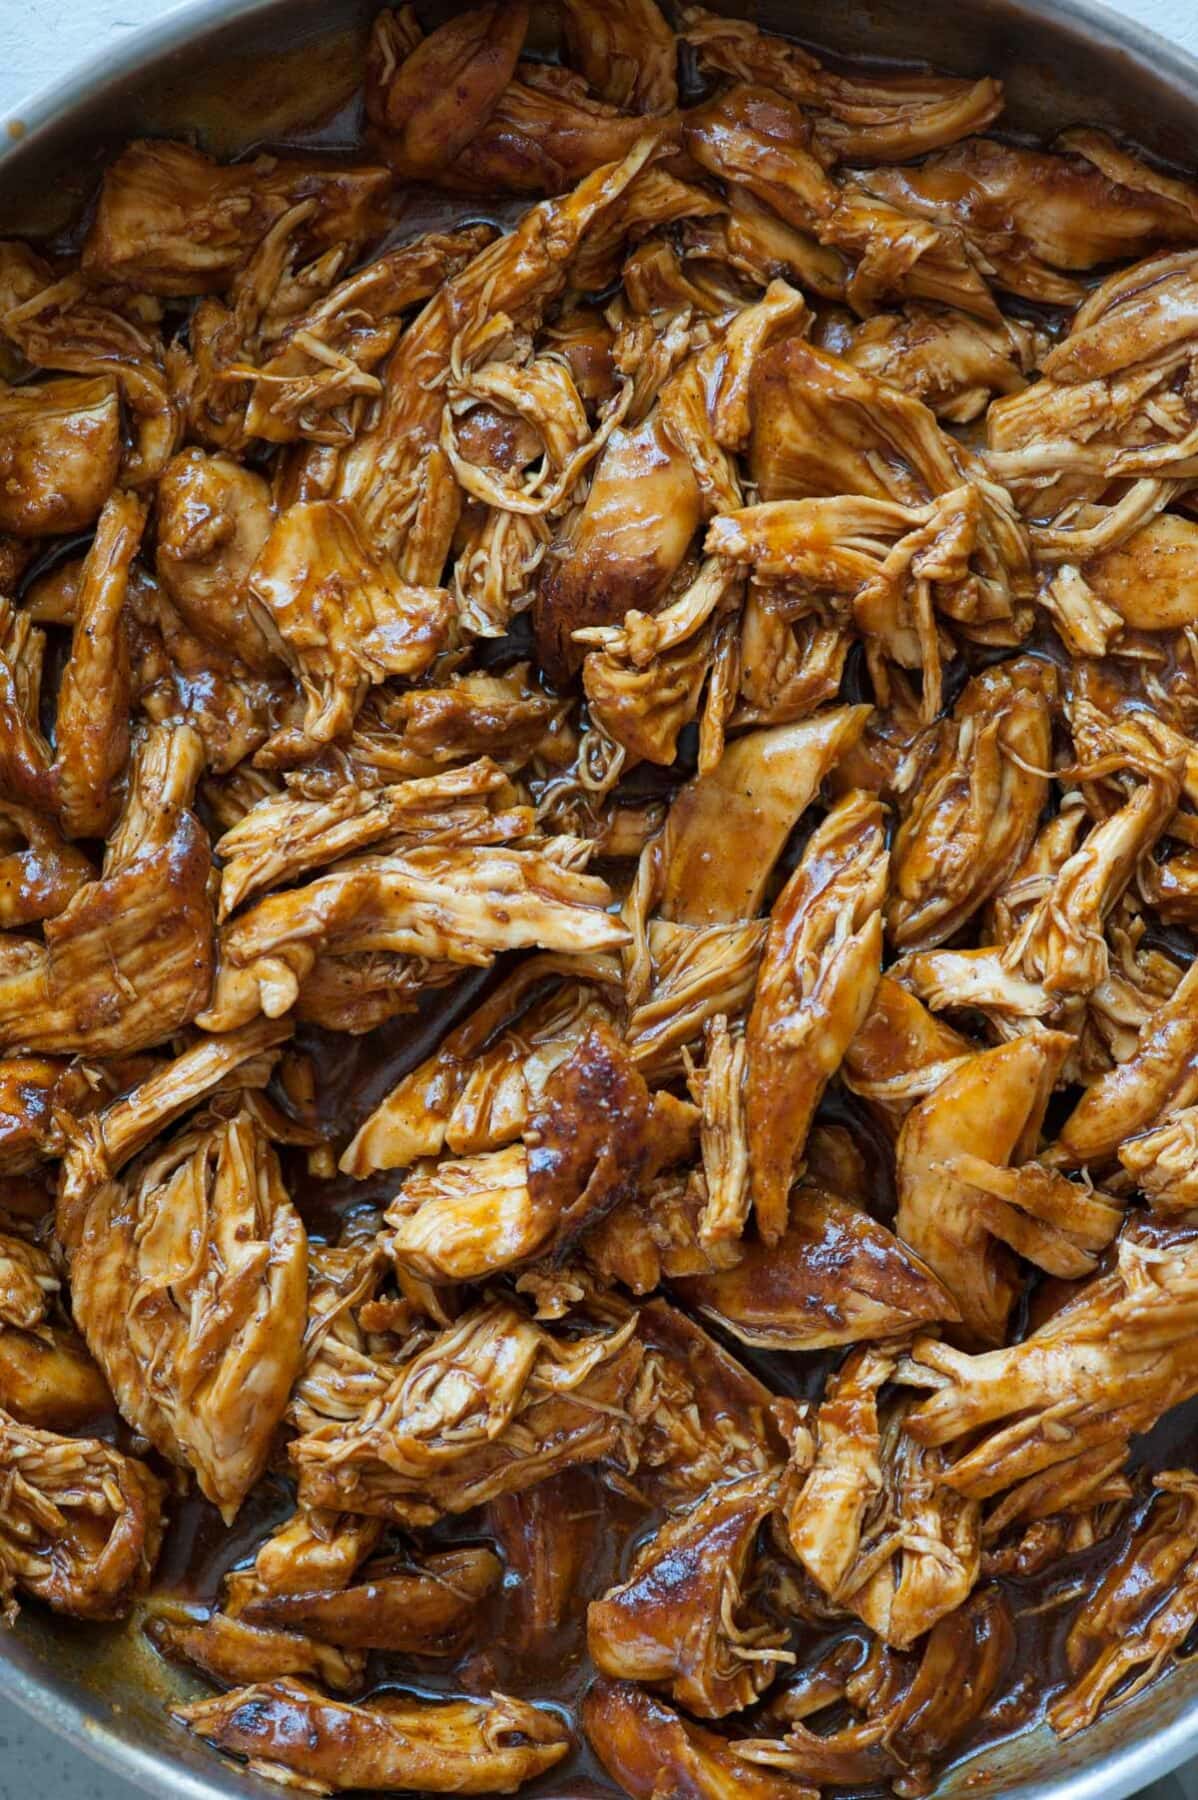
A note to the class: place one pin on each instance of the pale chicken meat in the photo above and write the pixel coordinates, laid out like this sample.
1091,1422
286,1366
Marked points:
202,1251
598,869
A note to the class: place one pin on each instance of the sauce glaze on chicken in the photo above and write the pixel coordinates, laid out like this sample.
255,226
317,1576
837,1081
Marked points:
598,1011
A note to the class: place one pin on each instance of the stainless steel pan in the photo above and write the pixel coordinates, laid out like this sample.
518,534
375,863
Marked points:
237,71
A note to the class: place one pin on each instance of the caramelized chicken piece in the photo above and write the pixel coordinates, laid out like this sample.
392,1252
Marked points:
491,1405
48,1379
703,1418
62,447
341,617
626,53
1031,214
1157,1079
170,220
835,1276
726,829
93,699
1106,1365
1141,1612
954,363
148,918
551,1538
476,1092
27,1283
645,1745
422,1608
71,328
229,1651
1148,577
901,1052
80,1524
432,95
992,1107
972,818
912,1718
761,141
695,974
289,1732
683,1619
858,117
25,756
461,906
396,471
865,1514
312,1552
214,517
189,1285
284,836
821,963
546,133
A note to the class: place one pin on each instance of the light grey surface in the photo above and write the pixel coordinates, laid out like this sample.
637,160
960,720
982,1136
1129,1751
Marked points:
39,40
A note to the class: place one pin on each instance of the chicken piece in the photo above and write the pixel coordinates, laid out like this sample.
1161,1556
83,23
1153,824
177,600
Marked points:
465,1220
461,906
1106,1365
1148,578
625,52
718,1089
1141,1612
62,448
703,1418
1060,1225
289,1732
547,132
422,1609
552,1539
857,117
341,617
694,975
835,1276
491,1405
313,380
644,1744
992,1107
48,1379
395,471
865,1515
754,138
476,1092
1031,214
901,1052
684,1619
312,1552
80,1524
1109,407
821,963
748,805
39,870
911,1719
70,328
1158,1079
1061,943
284,836
25,756
643,682
148,918
172,221
93,699
972,818
229,1651
1164,1162
789,668
189,1285
656,1237
954,363
27,1283
214,517
98,1146
432,95
508,717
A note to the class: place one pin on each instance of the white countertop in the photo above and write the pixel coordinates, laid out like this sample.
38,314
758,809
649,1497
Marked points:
35,36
